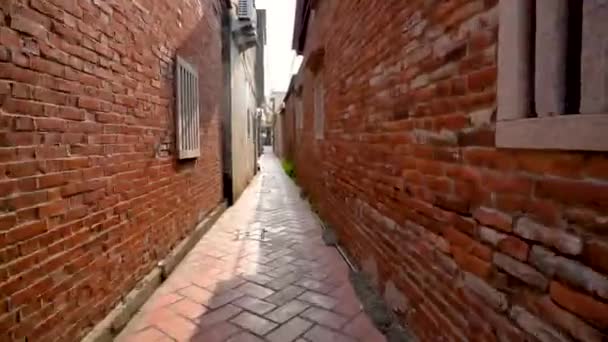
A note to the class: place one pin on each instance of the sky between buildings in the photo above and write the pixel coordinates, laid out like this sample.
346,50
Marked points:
280,60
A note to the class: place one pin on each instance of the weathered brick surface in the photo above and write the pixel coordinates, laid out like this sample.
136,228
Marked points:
409,176
91,195
287,127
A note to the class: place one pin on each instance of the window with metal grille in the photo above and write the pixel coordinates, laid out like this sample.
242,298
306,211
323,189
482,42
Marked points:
319,93
299,118
552,75
248,124
187,111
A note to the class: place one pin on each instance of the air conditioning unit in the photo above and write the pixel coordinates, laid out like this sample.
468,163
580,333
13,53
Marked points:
246,41
246,10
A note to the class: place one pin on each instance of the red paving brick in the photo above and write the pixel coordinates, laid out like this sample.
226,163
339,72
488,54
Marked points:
178,328
285,295
196,294
314,285
150,334
321,334
324,317
159,301
188,308
289,331
262,273
224,298
282,280
245,337
217,333
254,323
255,290
287,311
254,305
220,315
318,299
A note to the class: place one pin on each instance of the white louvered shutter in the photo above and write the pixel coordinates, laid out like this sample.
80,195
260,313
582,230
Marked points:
187,113
244,9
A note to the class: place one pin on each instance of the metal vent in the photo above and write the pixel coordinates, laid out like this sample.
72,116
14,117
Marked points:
187,112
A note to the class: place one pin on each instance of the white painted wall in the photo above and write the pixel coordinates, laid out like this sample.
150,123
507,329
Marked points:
243,104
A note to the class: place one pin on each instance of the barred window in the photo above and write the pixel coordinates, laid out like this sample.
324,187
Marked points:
552,75
319,93
187,112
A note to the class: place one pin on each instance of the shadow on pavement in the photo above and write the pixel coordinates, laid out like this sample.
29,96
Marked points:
262,273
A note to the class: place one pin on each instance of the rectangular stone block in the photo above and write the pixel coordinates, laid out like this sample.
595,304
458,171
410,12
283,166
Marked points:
550,236
572,272
521,271
535,326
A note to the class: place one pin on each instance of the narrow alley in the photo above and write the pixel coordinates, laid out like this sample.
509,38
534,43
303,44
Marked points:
261,273
195,170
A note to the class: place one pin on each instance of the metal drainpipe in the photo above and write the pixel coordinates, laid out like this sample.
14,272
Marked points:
338,247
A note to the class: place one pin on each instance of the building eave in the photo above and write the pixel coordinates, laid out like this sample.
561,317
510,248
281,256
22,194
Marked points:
290,88
303,9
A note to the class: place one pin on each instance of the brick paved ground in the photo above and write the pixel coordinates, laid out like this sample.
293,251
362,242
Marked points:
261,274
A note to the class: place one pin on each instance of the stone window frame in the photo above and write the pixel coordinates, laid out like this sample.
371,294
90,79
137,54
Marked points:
249,128
319,106
299,110
315,67
514,127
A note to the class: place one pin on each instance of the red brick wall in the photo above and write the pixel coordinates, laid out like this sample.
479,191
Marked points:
288,125
466,240
91,194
